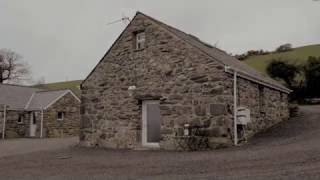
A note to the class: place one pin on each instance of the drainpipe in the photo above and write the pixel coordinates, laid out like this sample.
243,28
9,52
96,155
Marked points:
235,130
235,108
4,121
41,124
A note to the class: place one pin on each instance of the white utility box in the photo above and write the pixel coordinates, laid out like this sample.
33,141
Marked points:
243,116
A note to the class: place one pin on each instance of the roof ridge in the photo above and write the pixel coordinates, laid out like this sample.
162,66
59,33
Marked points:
59,82
188,34
176,29
202,41
29,101
52,90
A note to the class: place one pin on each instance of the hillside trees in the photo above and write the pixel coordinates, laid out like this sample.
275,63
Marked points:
250,53
312,77
304,80
280,69
282,48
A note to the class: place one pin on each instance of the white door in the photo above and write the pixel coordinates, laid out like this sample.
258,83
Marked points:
151,123
33,124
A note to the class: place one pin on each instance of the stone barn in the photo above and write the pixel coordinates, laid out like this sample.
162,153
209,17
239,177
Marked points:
158,87
32,112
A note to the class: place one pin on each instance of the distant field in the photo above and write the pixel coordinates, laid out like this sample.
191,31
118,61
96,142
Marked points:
72,85
297,55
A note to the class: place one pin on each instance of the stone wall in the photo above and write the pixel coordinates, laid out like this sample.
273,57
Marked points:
15,129
71,123
192,88
268,107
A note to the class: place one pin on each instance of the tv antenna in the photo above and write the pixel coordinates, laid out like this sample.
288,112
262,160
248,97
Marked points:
125,20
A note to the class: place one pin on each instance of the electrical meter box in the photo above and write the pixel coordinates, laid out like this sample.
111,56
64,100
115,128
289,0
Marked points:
243,116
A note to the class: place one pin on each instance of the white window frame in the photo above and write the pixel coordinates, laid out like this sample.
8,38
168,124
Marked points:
140,40
63,115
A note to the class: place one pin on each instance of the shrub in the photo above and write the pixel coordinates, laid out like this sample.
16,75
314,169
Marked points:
284,48
281,69
293,110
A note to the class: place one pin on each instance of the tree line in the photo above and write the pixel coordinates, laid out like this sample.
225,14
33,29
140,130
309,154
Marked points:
304,80
282,48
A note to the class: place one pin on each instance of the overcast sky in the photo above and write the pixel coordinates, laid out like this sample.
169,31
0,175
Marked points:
64,39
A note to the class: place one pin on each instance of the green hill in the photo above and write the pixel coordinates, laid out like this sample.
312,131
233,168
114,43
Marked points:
72,85
297,55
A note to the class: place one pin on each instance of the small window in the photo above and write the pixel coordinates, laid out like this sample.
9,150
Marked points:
140,40
61,116
20,118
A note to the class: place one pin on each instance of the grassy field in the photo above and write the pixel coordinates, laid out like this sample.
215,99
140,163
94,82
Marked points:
72,85
297,55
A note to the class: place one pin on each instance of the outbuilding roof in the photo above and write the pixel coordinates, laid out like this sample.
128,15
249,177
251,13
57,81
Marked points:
16,96
28,98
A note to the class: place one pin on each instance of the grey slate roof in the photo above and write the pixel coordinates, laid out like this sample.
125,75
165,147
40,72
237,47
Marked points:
27,98
15,96
221,56
42,99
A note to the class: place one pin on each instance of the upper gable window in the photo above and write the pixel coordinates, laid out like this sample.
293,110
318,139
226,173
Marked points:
140,40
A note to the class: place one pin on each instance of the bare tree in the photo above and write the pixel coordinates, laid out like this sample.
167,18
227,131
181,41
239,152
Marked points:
12,68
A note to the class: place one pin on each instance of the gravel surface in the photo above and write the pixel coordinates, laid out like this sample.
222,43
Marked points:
12,147
289,151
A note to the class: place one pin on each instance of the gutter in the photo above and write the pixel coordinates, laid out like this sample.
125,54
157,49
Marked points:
244,75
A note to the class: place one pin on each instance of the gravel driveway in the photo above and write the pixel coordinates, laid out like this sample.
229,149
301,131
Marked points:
288,151
22,146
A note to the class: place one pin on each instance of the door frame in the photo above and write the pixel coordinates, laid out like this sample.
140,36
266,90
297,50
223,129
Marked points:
32,114
144,124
